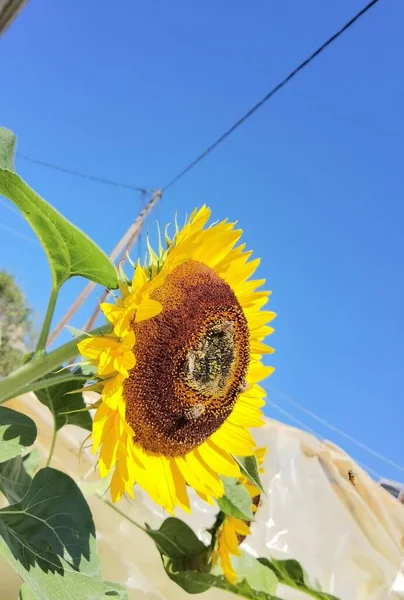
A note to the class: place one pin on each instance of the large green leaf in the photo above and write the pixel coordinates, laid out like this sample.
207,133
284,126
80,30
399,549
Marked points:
249,467
291,573
49,538
72,585
70,252
17,432
236,501
52,522
176,540
65,397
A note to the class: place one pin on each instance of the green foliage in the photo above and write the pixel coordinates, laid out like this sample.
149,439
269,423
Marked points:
50,524
17,432
249,467
175,539
49,538
291,573
195,582
69,250
187,562
65,397
236,501
15,324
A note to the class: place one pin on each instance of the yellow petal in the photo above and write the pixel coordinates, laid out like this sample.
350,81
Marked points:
161,472
109,448
112,312
219,460
190,477
117,488
246,416
258,372
205,474
103,420
128,341
148,308
139,278
124,363
258,319
93,347
106,363
235,440
112,392
180,487
260,348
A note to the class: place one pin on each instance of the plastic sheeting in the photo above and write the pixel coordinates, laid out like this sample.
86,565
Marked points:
349,538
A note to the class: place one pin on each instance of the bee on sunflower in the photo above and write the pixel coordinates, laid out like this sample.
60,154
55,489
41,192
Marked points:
179,373
233,531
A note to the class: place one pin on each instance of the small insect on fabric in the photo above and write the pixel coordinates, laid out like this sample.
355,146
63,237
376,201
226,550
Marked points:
351,476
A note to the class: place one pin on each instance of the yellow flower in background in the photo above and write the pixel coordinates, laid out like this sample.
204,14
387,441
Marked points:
180,371
233,531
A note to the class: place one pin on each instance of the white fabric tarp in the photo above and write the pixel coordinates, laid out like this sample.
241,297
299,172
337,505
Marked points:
350,538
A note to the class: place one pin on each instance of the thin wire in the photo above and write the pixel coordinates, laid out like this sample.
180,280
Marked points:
48,165
19,234
306,427
337,430
10,207
269,95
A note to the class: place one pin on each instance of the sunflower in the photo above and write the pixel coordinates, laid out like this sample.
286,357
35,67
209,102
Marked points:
233,531
180,370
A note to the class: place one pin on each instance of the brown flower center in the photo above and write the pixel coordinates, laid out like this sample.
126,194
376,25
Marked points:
191,362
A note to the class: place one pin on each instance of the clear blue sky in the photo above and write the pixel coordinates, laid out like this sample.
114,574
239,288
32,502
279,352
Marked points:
133,93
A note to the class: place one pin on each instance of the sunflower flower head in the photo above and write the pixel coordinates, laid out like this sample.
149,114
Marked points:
233,531
180,369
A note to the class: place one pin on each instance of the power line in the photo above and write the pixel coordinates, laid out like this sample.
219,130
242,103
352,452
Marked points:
307,428
19,234
54,167
10,207
274,90
337,430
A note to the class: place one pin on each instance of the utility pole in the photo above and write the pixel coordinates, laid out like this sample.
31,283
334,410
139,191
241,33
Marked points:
9,9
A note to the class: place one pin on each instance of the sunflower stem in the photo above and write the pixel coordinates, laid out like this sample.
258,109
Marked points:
108,503
22,379
43,337
52,446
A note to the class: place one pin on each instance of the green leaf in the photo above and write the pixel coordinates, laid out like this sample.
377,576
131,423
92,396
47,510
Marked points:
17,432
7,149
26,594
57,378
72,585
70,252
49,539
236,501
258,576
60,399
291,573
249,467
176,540
52,518
14,479
194,582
